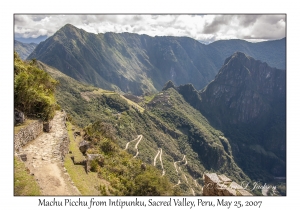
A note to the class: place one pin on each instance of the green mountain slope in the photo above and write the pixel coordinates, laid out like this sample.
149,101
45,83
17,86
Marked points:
139,63
168,133
33,90
118,173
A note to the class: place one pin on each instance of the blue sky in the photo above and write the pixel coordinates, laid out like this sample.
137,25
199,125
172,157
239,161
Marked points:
207,28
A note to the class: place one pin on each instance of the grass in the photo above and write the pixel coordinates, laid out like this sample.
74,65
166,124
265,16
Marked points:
87,184
107,92
24,183
78,156
149,98
133,104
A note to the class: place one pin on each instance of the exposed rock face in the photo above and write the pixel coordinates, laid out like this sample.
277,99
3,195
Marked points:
23,157
244,89
83,146
47,126
19,117
168,85
220,185
92,157
247,100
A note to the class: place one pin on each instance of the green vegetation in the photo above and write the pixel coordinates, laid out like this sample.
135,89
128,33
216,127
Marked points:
86,183
281,188
24,183
116,172
125,173
33,90
168,122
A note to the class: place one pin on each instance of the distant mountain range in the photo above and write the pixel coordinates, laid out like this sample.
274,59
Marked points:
29,40
139,63
24,49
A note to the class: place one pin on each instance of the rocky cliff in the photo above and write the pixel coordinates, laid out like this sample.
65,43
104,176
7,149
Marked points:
247,101
245,89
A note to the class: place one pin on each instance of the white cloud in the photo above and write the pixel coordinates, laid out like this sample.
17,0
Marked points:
200,27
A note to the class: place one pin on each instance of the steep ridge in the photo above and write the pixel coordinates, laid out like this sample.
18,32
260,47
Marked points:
247,101
246,88
248,96
138,63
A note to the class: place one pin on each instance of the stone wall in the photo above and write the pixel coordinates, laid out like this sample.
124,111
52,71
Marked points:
64,147
27,134
220,185
65,140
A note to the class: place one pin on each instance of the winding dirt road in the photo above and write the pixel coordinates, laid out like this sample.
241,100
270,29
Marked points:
160,158
136,145
154,162
139,138
126,147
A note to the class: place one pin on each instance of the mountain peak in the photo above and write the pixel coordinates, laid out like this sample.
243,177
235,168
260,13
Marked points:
68,29
168,85
69,26
237,56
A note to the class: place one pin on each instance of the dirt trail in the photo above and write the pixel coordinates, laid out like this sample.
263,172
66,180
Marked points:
137,151
176,167
178,183
188,184
131,141
175,163
193,192
162,165
184,159
44,160
154,162
160,159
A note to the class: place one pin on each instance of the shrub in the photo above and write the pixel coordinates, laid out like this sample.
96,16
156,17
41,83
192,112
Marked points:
33,90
